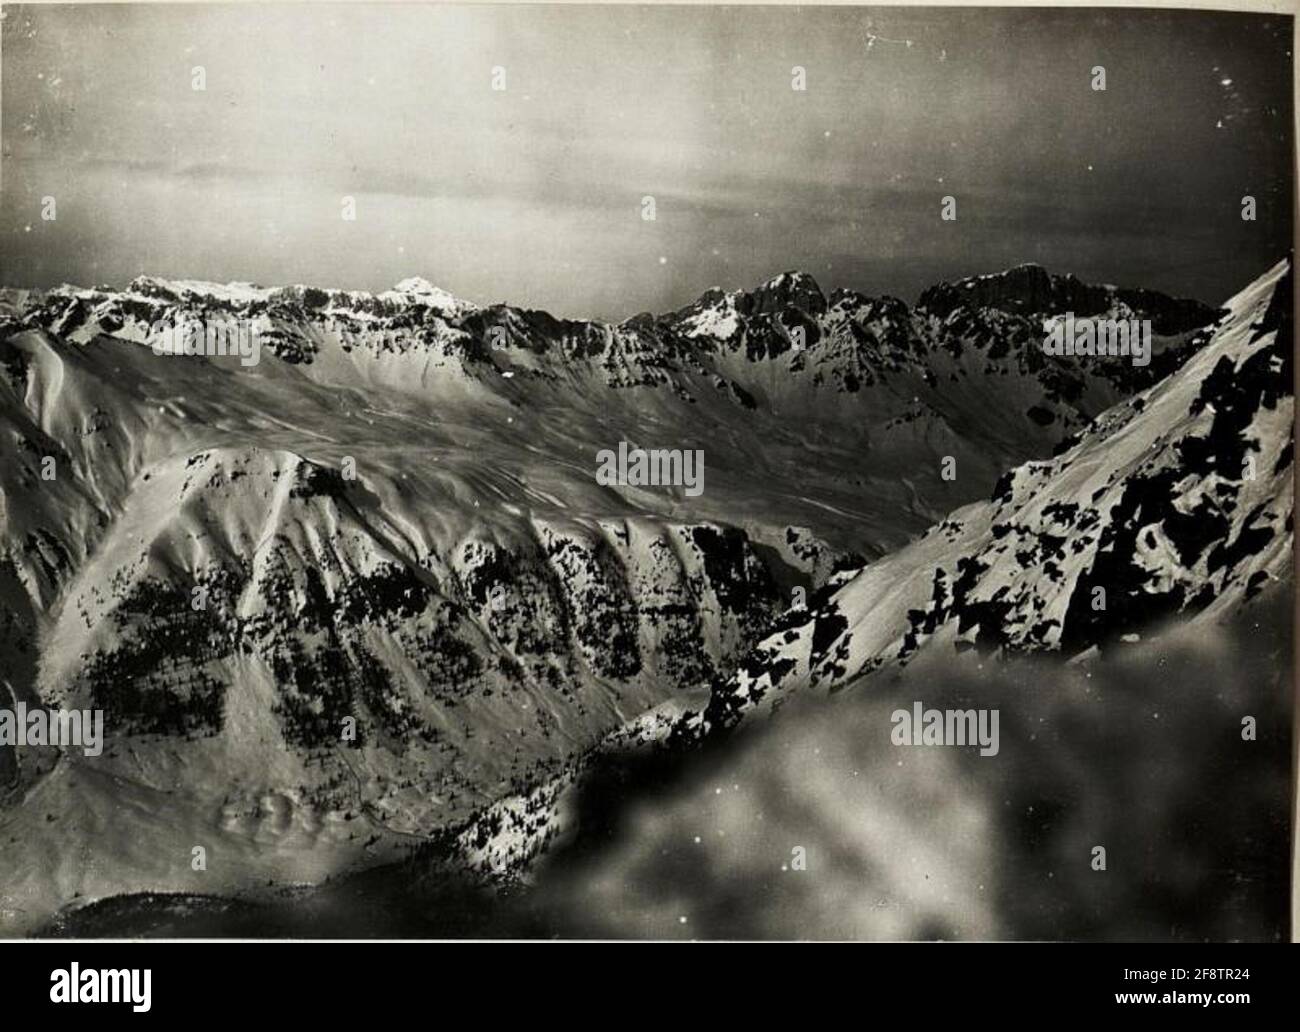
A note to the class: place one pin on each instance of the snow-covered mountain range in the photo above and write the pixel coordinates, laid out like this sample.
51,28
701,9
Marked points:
367,592
1175,504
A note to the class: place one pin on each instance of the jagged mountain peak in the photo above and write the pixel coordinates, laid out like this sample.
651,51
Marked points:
791,279
1030,289
431,295
720,314
416,285
1176,501
183,290
792,289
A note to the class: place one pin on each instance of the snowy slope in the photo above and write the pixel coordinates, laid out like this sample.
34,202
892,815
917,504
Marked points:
484,611
1177,503
1179,500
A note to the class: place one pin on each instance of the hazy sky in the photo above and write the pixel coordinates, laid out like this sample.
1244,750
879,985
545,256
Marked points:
533,194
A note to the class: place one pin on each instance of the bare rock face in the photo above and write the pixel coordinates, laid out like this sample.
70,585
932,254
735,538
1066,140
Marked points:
1031,290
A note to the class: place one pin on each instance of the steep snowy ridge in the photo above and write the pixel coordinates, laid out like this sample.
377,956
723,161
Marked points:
1176,503
1179,500
778,346
882,393
392,519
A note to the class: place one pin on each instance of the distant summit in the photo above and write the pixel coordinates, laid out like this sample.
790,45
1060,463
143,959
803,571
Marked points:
788,290
1030,289
435,297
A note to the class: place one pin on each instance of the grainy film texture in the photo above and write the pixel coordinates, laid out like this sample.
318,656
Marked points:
645,472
